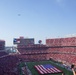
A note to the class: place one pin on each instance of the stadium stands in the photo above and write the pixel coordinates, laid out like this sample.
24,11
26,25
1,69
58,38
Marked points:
3,53
70,41
33,52
63,54
59,49
8,65
62,49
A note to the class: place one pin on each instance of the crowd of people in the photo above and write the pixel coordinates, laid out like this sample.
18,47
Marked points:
34,51
8,65
64,54
69,41
69,50
2,53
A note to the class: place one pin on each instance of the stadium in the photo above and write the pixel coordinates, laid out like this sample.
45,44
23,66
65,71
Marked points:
56,57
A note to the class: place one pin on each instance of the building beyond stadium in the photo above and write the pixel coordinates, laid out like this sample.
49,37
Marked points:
2,44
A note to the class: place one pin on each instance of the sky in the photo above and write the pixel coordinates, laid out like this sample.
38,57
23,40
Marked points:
39,19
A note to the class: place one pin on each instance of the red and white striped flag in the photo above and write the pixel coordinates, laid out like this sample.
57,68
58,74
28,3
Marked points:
47,68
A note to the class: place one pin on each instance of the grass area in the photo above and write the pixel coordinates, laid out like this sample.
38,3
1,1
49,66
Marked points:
22,64
35,72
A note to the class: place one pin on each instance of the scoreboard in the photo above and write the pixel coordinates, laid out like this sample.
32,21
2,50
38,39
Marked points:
27,41
24,41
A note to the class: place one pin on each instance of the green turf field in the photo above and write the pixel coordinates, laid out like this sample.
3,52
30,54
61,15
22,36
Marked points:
30,65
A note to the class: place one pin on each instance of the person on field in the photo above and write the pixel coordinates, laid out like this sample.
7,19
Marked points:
74,71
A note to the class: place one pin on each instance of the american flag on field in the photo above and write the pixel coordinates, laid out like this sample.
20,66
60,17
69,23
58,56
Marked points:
47,68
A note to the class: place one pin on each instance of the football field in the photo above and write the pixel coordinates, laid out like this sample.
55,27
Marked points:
34,71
